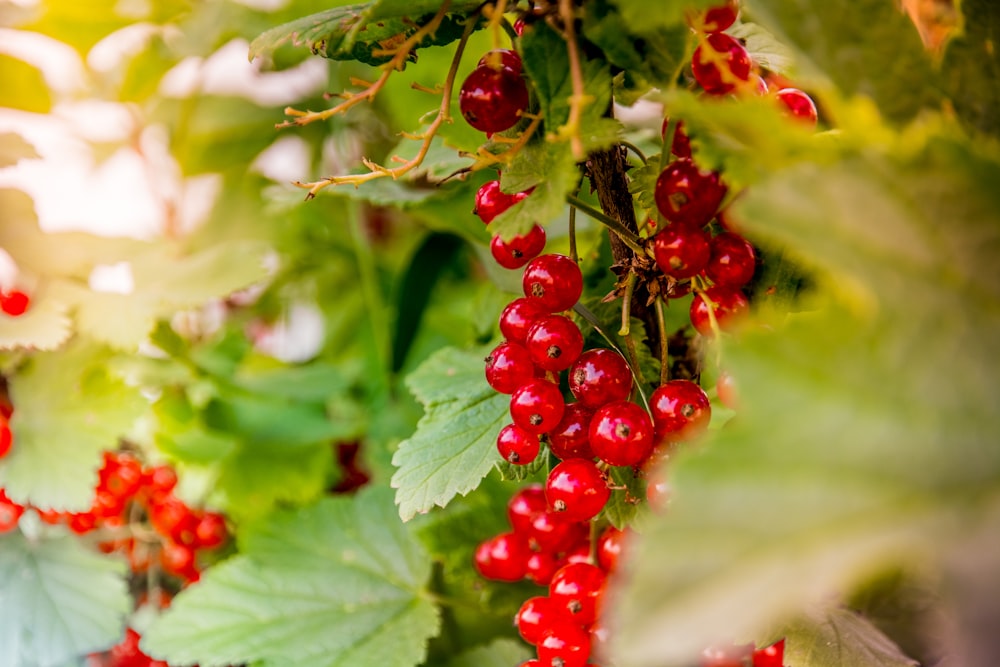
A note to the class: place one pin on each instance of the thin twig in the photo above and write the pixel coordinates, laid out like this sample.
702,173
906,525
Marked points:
630,239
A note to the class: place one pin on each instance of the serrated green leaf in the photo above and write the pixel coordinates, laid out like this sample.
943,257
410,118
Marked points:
519,473
14,148
550,168
836,637
44,326
60,600
454,446
623,505
335,584
366,30
54,461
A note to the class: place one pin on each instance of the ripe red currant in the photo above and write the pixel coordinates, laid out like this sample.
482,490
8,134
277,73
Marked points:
770,656
552,533
537,406
14,302
554,342
577,588
577,490
555,281
715,19
503,557
508,367
6,437
609,547
541,566
518,316
681,252
728,305
721,64
179,560
536,615
211,531
680,144
492,100
491,201
570,439
519,250
564,644
621,434
517,446
600,376
524,505
499,58
798,105
725,388
681,410
687,195
732,262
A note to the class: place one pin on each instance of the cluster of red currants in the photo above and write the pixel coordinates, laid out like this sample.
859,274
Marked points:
125,654
494,95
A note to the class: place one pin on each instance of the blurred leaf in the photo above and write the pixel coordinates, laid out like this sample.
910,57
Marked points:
765,49
262,420
365,30
645,17
14,148
454,445
338,583
61,600
44,326
971,67
839,638
498,653
54,461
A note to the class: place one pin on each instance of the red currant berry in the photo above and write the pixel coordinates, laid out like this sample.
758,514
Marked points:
680,144
492,100
725,387
121,475
681,252
687,195
555,281
503,557
81,523
728,306
491,201
536,615
798,105
564,644
173,518
577,490
178,559
517,446
552,533
732,262
541,566
570,439
509,367
14,302
721,64
211,531
10,513
554,342
770,656
621,434
518,316
537,406
600,376
715,19
577,588
681,410
524,505
500,58
609,548
519,250
6,437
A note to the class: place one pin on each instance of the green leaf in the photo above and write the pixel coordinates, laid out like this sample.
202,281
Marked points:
645,17
871,50
551,170
498,653
335,584
13,149
60,600
454,446
69,409
971,67
365,31
765,49
836,637
623,505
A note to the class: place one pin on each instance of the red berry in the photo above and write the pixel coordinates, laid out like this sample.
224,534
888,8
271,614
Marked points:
536,615
10,513
609,548
681,410
681,252
570,439
541,566
680,144
728,306
600,376
14,302
725,387
721,64
564,644
121,475
577,588
518,316
503,557
509,367
81,523
553,533
524,505
173,518
6,437
687,195
798,105
491,201
577,490
621,434
492,100
770,656
733,260
519,250
555,281
715,19
537,406
517,446
211,531
554,342
158,481
499,58
178,559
